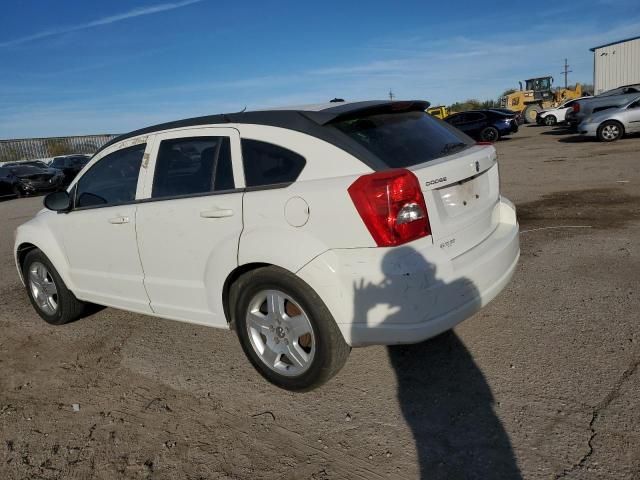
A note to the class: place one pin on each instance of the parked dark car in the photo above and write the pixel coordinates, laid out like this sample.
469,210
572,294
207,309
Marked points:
32,179
70,165
33,163
484,125
8,183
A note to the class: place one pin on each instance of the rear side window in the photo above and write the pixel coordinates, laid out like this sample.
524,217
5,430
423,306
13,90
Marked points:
404,139
192,166
112,180
456,119
268,164
474,117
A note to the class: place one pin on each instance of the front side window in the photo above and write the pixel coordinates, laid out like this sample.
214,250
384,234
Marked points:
112,180
58,162
268,164
456,119
192,166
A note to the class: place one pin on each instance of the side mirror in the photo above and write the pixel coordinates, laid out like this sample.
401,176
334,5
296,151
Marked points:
58,201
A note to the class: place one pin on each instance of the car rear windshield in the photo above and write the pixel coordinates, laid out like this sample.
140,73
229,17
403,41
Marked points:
404,139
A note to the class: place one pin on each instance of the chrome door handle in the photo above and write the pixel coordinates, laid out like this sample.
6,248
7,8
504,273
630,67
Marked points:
119,220
216,213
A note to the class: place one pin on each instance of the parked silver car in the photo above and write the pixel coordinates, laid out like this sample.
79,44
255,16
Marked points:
611,124
616,97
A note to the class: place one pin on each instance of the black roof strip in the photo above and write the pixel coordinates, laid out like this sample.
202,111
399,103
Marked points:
305,121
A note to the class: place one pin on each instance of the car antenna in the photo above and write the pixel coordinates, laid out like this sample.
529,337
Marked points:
226,115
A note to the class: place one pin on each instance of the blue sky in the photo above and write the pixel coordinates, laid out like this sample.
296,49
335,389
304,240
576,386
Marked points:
75,67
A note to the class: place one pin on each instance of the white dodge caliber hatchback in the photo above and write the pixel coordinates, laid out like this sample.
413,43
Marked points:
307,230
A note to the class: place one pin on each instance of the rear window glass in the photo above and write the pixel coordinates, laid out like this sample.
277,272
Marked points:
268,164
404,139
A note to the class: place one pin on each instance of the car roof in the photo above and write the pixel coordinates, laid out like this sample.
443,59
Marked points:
305,118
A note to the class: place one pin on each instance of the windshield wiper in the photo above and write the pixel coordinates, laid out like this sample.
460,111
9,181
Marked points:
450,147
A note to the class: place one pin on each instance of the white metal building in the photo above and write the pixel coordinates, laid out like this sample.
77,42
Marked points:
616,64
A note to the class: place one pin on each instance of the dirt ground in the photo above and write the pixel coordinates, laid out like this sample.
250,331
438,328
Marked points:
543,383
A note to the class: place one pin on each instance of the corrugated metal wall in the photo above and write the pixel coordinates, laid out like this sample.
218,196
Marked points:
30,148
616,65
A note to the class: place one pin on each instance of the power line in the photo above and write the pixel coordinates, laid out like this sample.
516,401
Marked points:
566,71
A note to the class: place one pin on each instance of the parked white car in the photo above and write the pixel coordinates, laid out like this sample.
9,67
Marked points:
307,230
556,115
613,123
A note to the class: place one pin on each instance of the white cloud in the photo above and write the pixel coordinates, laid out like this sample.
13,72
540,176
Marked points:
136,12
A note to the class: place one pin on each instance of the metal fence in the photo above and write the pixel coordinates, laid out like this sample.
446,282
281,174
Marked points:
32,148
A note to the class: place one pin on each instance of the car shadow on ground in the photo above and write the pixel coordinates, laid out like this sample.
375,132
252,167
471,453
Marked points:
443,395
578,139
559,131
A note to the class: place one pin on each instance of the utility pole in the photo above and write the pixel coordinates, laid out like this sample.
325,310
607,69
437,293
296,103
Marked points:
391,95
566,71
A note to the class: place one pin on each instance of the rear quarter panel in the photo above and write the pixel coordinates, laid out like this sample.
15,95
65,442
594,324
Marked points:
291,225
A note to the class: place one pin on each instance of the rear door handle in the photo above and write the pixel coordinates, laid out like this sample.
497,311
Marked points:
119,220
216,213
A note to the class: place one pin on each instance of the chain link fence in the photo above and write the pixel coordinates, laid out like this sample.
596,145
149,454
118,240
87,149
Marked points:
33,148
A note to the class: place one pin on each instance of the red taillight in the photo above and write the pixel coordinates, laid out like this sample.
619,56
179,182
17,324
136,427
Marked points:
484,143
576,107
391,206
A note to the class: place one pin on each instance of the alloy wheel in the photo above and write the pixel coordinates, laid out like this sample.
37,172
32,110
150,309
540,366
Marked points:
43,288
610,132
280,333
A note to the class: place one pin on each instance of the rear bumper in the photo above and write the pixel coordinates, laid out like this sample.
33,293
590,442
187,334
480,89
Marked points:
406,294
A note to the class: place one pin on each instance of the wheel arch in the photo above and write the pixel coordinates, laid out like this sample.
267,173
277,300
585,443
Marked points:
227,293
30,237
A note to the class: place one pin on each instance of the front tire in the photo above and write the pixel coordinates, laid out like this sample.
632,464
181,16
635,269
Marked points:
531,113
490,134
286,330
550,120
48,294
610,131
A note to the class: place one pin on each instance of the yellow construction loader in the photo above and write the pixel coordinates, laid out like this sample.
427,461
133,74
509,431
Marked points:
440,111
537,96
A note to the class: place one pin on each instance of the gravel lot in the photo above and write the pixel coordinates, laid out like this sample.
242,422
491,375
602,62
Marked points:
543,383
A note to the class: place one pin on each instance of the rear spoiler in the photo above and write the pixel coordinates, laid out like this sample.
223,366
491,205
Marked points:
360,109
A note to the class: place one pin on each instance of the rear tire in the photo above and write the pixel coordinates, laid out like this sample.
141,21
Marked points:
531,112
550,120
610,131
48,294
286,330
489,134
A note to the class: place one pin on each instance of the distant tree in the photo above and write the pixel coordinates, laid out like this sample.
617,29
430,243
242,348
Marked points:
473,104
57,147
469,104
